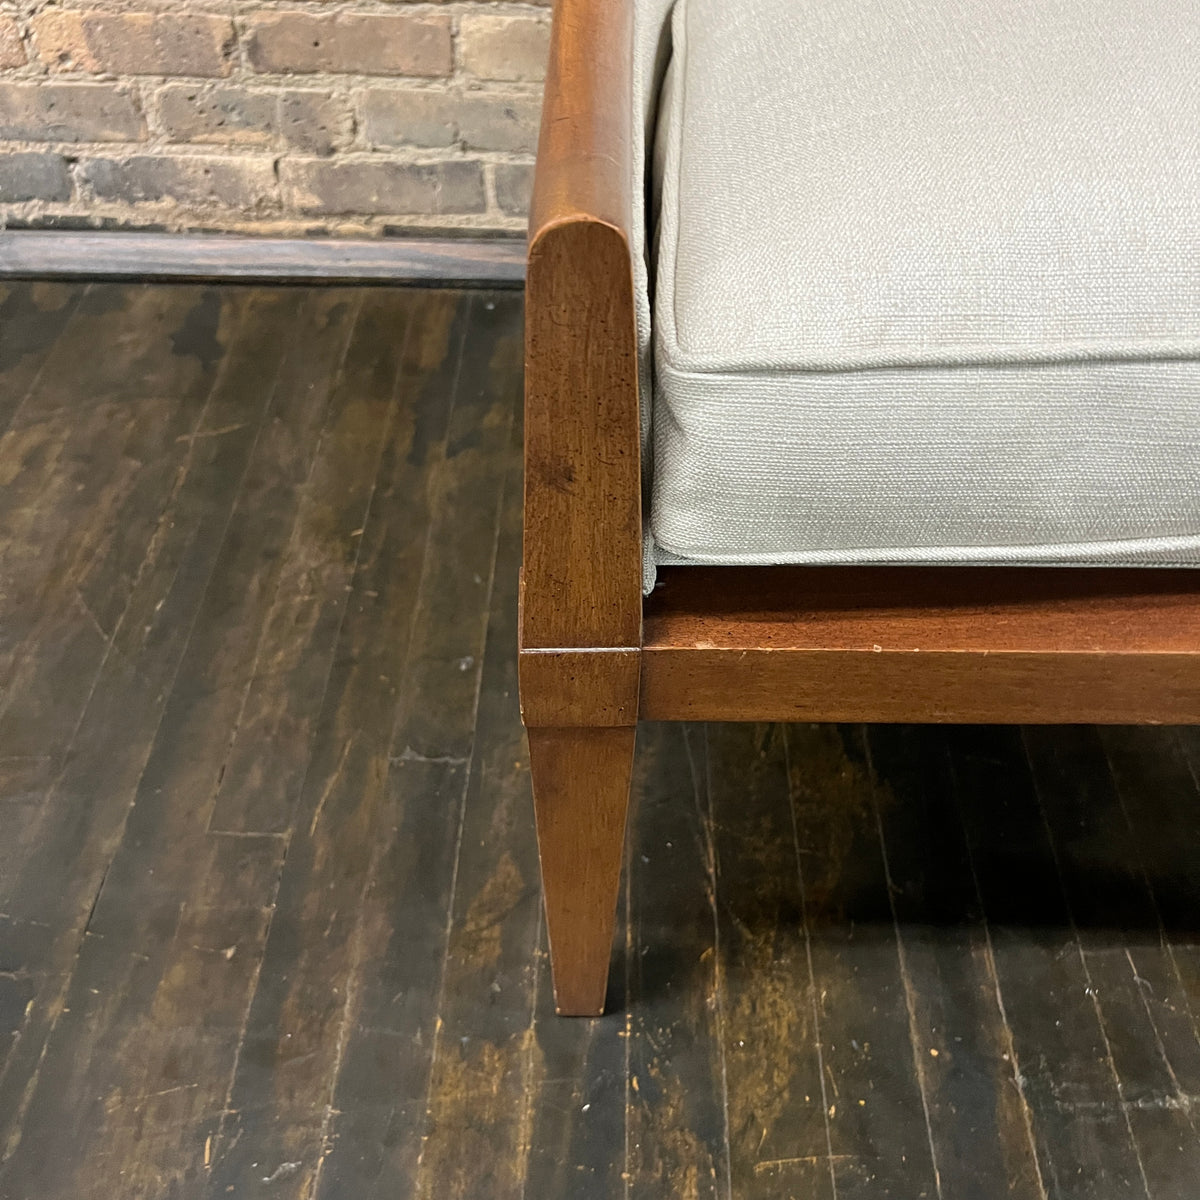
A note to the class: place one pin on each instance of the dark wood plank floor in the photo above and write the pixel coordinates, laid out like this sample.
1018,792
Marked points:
269,913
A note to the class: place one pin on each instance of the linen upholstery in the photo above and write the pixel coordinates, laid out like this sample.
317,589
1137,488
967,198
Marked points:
927,281
651,52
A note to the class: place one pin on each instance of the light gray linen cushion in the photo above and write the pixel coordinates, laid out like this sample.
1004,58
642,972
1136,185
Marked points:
651,52
928,281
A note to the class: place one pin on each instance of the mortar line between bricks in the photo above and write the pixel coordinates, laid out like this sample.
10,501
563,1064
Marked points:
222,8
422,156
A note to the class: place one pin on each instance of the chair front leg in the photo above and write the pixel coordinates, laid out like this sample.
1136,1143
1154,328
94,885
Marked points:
580,710
581,781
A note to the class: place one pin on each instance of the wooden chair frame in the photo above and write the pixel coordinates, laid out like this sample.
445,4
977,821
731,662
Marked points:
920,644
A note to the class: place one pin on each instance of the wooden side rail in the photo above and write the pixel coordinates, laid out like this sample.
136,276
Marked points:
1035,645
581,603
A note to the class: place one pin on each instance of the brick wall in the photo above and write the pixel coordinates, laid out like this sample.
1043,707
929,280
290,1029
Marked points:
258,116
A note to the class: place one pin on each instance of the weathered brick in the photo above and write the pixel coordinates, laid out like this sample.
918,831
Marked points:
68,112
393,188
232,115
241,183
514,184
500,122
366,44
513,48
422,117
314,122
408,117
12,52
33,176
134,43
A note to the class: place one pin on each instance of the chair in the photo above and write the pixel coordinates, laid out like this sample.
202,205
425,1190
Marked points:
923,342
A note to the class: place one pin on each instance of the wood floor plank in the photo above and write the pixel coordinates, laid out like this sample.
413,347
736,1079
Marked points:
383,1142
279,1106
486,1070
1184,931
778,1138
1155,775
1154,772
73,472
89,425
1112,905
80,503
33,315
182,915
1167,1140
979,1125
120,332
1082,1132
676,1130
577,1125
68,849
347,813
270,751
878,1132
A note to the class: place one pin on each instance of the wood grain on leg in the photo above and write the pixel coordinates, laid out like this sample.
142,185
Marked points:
581,795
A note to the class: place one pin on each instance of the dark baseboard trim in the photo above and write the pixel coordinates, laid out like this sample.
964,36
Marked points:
70,254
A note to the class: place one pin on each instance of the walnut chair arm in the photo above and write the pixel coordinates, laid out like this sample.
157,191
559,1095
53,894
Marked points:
584,168
582,554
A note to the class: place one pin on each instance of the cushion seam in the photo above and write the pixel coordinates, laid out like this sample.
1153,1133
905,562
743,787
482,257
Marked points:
1010,554
674,167
690,370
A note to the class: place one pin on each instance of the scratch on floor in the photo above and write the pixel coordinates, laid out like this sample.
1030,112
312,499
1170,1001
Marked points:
774,1164
207,433
332,783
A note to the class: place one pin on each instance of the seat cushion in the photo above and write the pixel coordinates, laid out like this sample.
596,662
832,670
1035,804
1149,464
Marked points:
928,282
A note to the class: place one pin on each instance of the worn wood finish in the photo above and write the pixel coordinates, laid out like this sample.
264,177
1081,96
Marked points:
435,431
923,644
268,885
582,550
980,1133
578,688
473,1137
1058,1040
584,165
879,1140
123,990
32,315
676,1114
72,254
1149,1078
779,1124
112,564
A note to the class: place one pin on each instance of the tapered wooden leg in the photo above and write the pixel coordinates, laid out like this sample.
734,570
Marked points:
581,779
